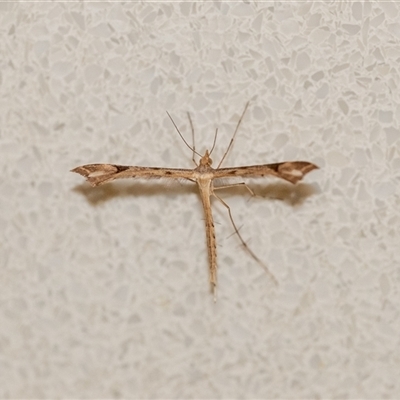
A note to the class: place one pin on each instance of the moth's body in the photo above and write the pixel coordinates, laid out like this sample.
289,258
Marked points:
203,175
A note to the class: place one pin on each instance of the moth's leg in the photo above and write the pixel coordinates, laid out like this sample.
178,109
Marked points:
247,248
235,184
234,134
193,141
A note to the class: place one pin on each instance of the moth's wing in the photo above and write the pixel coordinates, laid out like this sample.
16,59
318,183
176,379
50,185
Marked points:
292,171
97,174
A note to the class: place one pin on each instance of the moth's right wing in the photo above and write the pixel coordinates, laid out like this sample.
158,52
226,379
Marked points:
98,174
292,171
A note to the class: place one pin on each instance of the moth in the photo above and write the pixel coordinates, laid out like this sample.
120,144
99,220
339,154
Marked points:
203,175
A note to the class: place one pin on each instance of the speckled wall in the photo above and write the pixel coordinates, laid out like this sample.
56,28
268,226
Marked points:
104,291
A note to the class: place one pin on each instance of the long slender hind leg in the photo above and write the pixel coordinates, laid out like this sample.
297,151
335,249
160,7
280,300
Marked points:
247,248
233,185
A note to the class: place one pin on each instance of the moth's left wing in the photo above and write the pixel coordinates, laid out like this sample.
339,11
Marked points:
97,174
292,171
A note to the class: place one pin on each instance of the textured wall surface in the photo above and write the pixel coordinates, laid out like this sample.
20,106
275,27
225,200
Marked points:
104,291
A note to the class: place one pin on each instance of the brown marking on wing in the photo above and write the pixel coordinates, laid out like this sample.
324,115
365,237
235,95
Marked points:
98,174
292,171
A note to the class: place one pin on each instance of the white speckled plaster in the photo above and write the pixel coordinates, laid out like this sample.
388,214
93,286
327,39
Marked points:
104,291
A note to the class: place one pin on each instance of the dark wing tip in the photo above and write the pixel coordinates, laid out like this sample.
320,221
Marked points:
96,174
294,171
308,167
81,171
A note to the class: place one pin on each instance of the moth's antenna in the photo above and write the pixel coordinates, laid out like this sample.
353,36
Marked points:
215,141
180,134
193,138
234,134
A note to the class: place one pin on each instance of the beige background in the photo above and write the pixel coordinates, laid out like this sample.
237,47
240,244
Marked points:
104,291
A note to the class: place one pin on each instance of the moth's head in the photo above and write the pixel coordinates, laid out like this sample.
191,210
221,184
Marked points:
206,160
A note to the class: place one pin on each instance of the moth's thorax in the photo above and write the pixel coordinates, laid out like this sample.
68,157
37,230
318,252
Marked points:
202,169
204,181
202,173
